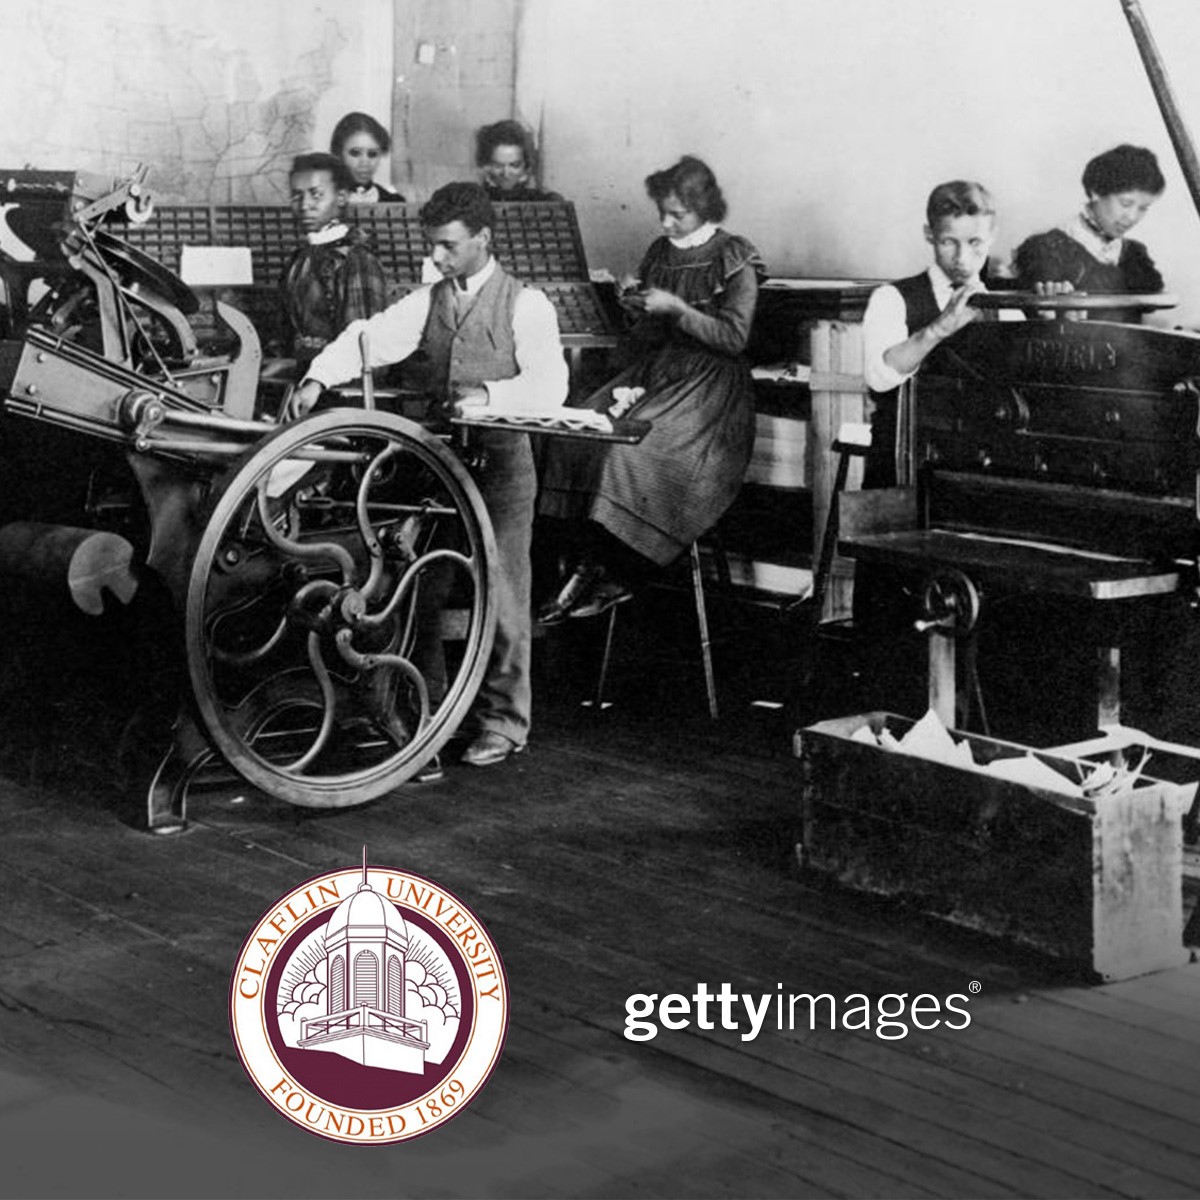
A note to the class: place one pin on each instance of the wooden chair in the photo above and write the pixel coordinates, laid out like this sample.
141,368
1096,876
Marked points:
713,543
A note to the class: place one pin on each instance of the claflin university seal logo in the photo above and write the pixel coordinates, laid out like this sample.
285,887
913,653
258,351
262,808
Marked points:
369,1005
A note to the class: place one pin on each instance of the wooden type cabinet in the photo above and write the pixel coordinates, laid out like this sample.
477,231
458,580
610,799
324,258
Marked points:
806,349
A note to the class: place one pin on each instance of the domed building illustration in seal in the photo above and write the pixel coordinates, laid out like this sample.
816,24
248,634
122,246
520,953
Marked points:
366,948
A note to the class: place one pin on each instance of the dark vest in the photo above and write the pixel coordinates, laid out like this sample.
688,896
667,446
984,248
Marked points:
478,344
920,309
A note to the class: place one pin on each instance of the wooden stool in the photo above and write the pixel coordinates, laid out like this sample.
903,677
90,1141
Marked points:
701,620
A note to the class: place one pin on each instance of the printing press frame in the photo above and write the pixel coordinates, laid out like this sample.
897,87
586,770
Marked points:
1053,457
315,567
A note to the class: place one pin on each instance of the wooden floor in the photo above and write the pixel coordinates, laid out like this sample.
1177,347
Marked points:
643,849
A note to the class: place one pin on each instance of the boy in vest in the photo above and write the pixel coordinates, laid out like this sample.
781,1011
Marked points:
334,278
904,322
490,342
907,319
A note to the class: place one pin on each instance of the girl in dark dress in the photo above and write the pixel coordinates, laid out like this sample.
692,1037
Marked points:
507,164
645,504
333,278
361,143
1090,252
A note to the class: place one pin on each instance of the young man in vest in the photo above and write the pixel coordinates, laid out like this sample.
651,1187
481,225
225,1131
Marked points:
490,342
904,322
908,319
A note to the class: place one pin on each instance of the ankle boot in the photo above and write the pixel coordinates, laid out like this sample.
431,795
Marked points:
573,593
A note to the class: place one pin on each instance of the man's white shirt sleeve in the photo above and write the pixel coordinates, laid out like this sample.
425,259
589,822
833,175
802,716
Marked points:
542,379
885,324
392,336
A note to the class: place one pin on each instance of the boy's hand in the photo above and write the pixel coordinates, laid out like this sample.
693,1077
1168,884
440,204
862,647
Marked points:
957,312
300,400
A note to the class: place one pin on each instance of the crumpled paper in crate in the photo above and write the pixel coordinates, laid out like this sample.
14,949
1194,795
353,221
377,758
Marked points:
931,740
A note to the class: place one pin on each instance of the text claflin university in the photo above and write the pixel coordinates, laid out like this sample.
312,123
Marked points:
892,1015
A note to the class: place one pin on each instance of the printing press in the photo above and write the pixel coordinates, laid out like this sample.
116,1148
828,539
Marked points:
1047,457
307,572
1053,457
1055,472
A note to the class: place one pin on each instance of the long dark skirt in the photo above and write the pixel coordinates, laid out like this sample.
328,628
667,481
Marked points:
662,494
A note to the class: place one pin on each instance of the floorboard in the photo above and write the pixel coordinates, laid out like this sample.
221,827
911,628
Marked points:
639,850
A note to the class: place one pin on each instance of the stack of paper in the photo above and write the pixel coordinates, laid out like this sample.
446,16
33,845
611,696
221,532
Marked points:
544,418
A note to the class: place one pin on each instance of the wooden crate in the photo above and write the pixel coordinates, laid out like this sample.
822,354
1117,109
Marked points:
1095,882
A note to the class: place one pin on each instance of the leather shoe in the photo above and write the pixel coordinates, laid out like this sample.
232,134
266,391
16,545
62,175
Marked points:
574,591
488,749
605,595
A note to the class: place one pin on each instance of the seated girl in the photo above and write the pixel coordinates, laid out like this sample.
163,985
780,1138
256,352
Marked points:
334,277
639,507
507,163
1091,252
361,143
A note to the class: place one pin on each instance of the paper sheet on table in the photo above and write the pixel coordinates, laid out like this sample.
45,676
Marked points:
549,418
1050,547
